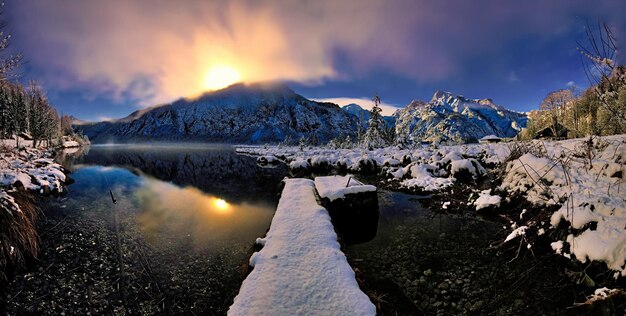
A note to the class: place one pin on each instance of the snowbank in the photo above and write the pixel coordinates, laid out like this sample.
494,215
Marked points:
34,169
337,187
590,198
301,269
584,194
425,168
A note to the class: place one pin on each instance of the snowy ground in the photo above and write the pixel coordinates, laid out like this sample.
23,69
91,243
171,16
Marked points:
590,194
584,182
300,269
12,142
33,169
429,168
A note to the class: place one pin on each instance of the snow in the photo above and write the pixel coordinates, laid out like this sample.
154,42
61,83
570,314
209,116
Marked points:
337,187
70,144
520,231
449,118
490,137
470,165
33,168
300,269
485,200
299,164
602,293
425,168
242,113
561,177
583,193
269,159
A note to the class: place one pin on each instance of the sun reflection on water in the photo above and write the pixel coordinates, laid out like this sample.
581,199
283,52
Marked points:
168,212
221,206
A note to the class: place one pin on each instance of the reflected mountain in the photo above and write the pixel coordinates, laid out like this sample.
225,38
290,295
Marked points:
213,169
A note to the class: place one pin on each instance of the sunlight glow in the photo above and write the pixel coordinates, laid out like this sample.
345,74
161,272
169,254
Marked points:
220,76
221,205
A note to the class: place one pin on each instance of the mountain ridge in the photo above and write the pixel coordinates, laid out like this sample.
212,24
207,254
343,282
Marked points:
456,119
272,112
243,113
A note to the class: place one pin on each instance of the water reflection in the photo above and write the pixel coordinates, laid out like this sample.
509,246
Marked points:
186,216
211,168
182,229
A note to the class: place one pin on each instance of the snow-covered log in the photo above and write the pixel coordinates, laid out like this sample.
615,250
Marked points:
300,270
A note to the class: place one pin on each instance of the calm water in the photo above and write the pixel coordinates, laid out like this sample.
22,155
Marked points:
185,219
178,238
192,199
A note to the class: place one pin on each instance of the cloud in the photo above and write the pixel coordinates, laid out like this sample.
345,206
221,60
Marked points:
366,103
159,50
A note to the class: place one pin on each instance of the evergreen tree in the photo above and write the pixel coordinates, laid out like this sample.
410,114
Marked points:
19,111
5,111
37,104
374,136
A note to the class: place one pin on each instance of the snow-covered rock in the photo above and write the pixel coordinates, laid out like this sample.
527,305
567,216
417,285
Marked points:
485,200
337,187
33,169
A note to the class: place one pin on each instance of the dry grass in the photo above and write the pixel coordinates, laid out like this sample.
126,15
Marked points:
18,234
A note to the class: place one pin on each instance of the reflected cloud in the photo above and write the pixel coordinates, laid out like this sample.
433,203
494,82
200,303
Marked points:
169,213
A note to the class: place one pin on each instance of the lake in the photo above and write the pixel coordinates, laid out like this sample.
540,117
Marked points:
178,238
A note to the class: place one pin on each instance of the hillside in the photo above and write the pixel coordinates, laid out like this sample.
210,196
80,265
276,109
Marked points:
456,119
241,113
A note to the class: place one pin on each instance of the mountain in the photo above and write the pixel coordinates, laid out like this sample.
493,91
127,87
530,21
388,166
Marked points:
241,113
364,115
456,119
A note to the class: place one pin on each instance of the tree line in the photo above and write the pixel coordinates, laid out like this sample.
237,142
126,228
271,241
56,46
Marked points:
599,110
25,110
28,111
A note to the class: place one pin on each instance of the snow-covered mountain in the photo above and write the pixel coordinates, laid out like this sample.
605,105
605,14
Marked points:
364,115
456,119
242,113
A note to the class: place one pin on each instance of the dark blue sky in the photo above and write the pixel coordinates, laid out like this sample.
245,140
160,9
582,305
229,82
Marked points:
105,59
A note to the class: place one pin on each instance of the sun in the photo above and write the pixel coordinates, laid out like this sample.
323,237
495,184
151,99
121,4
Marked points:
220,76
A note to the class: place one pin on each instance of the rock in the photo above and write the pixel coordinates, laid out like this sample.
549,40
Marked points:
422,281
443,286
477,306
428,272
468,306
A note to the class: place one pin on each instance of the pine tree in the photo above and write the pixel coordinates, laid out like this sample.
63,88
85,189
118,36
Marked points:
37,108
19,111
373,137
5,115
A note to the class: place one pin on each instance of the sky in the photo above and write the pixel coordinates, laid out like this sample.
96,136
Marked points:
105,59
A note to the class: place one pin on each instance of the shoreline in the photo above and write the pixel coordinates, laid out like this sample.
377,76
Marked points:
523,186
25,175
